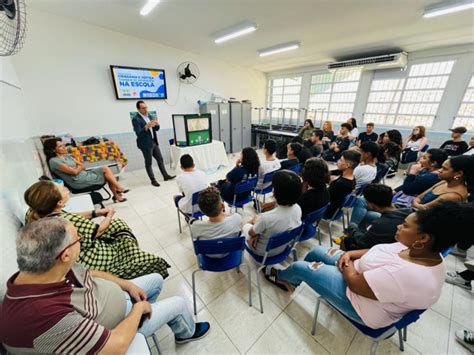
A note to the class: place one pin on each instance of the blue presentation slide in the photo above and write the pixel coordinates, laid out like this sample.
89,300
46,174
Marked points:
136,83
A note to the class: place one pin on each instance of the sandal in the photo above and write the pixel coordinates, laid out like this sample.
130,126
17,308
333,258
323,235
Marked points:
123,191
118,201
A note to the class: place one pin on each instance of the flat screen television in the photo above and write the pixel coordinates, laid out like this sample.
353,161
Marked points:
132,83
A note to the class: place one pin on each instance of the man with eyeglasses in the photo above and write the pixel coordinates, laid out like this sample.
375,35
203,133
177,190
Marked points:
54,305
146,128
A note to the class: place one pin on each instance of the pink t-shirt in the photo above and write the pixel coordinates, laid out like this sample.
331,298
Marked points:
399,285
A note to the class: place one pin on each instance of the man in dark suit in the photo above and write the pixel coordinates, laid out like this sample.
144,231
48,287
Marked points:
146,128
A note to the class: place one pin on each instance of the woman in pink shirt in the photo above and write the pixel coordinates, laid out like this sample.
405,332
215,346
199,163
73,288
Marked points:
378,286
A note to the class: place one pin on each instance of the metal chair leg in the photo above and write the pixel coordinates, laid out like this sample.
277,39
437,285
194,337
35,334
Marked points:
373,348
259,288
179,222
315,317
194,290
405,333
249,280
400,340
157,345
330,234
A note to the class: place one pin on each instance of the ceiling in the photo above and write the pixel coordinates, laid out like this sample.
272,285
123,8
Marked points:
328,29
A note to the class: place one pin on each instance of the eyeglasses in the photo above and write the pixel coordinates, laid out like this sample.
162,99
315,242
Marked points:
78,240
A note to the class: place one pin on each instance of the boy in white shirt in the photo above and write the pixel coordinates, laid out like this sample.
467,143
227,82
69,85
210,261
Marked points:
219,225
189,182
286,215
269,164
366,172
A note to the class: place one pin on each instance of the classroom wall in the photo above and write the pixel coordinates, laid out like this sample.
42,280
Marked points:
64,69
19,165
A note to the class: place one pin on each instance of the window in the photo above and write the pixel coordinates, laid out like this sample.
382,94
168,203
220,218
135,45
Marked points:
333,95
284,93
465,116
409,101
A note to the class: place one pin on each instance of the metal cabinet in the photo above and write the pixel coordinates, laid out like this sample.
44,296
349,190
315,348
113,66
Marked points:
246,124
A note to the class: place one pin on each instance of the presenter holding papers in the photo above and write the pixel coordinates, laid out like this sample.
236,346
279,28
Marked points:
146,128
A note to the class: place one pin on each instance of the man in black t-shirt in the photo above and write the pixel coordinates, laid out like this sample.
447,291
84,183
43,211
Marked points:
455,146
368,136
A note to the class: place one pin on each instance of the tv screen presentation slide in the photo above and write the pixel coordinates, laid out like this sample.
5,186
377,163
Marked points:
139,83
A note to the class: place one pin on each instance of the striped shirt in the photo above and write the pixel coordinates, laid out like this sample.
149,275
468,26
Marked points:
71,316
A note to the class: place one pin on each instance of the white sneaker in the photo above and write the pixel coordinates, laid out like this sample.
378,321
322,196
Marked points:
466,338
454,279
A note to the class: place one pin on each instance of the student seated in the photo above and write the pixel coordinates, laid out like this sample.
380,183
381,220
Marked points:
328,134
292,152
457,178
424,174
110,246
376,287
344,184
415,143
189,182
368,136
245,167
286,215
470,150
366,171
74,173
456,145
315,194
354,131
219,224
341,144
316,140
54,305
393,136
269,164
387,160
378,198
305,152
305,131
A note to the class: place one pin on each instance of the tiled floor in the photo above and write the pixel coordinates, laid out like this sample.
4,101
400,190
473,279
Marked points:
284,327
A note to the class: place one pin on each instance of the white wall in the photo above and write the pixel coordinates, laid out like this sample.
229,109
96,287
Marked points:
19,167
64,69
454,91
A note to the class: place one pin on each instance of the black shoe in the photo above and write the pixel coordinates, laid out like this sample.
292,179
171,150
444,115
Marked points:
202,329
170,177
155,183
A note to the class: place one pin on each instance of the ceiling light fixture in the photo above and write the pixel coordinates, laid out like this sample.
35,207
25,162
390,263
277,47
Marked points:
449,8
150,5
279,48
235,31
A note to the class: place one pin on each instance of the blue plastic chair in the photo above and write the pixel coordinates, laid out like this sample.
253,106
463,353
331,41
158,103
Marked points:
287,238
379,334
196,212
232,246
339,213
267,180
311,223
296,168
244,187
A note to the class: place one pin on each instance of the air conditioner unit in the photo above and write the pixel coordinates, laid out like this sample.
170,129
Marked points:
386,61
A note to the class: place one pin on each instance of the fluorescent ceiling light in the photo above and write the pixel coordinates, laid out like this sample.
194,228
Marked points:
236,31
279,49
449,8
150,5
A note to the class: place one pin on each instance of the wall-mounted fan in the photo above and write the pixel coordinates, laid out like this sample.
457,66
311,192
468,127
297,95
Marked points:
188,72
12,26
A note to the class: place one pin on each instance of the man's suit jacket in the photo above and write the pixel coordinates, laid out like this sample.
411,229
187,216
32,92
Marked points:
144,138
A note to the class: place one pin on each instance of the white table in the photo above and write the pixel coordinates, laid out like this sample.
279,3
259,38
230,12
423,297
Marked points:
79,203
207,157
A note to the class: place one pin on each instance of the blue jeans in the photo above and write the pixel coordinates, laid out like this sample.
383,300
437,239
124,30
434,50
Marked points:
325,279
172,311
361,215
